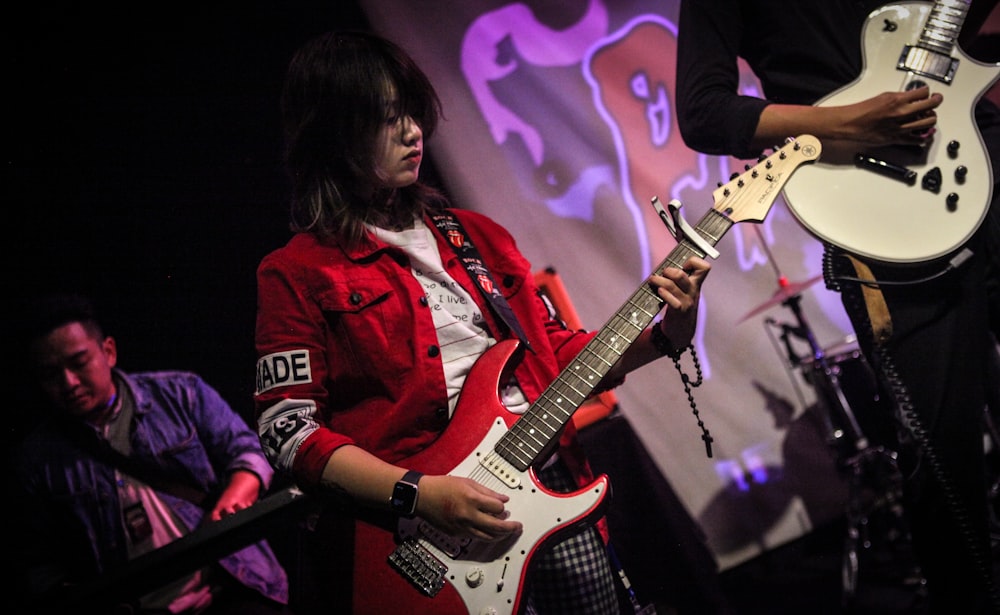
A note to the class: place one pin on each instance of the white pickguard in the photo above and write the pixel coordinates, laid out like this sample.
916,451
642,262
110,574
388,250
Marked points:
489,576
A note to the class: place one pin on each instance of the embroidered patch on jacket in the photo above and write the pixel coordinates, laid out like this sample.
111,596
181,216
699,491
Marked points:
283,427
283,369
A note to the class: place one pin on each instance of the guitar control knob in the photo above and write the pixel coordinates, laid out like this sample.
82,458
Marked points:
953,148
475,577
960,172
952,201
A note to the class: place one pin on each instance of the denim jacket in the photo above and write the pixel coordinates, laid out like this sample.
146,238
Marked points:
182,425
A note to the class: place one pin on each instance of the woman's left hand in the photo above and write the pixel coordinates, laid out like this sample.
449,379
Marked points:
680,289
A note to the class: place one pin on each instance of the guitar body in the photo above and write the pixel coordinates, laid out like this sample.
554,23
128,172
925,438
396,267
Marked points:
481,577
881,216
406,566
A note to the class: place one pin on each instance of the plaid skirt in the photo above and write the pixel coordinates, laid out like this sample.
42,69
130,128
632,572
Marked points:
574,576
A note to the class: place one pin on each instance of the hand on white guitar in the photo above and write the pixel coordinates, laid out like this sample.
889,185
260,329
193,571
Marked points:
888,118
461,507
892,118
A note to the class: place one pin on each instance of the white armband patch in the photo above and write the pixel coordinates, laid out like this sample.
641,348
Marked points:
283,427
283,369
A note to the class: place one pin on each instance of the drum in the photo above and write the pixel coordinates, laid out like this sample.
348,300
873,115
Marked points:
846,387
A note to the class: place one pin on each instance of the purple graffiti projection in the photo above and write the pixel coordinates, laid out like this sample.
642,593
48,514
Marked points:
632,75
535,44
521,74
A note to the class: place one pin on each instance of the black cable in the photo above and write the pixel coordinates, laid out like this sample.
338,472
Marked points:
884,365
954,263
911,421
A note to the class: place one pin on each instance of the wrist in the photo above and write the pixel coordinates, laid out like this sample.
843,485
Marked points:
662,343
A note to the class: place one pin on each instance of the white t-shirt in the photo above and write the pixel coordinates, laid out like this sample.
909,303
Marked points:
461,334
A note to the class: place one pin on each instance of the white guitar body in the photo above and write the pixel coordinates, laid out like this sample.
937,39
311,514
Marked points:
903,205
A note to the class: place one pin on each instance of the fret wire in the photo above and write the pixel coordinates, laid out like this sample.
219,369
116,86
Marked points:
533,423
537,442
537,422
573,385
530,429
514,455
615,340
588,377
580,394
508,449
603,357
561,387
572,398
610,351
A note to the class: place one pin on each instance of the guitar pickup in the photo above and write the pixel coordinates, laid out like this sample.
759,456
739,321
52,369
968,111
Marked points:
888,169
928,63
451,546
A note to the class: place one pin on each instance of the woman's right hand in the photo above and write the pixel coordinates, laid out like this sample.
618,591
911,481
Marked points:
891,118
461,507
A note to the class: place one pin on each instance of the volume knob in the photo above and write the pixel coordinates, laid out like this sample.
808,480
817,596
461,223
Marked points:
475,576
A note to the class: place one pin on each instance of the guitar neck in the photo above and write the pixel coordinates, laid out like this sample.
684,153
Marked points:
530,436
944,25
931,56
745,198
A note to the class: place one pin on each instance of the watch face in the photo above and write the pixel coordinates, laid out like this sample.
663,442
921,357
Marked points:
404,498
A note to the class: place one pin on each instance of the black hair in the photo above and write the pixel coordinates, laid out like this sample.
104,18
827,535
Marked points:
340,89
42,314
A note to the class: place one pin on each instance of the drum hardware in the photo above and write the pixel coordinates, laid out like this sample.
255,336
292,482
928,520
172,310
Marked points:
827,382
786,290
874,478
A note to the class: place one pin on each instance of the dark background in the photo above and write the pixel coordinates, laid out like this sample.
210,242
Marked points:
144,169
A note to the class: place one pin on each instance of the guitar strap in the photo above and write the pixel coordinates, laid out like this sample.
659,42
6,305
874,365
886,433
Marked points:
459,240
147,473
878,311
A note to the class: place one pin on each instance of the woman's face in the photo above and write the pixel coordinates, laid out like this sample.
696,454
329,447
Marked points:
400,150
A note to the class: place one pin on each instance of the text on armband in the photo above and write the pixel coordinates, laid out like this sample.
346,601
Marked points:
283,369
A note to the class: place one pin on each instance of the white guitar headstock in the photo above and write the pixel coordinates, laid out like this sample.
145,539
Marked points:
748,197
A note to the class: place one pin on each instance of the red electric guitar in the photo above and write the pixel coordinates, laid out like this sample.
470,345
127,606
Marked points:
405,566
905,205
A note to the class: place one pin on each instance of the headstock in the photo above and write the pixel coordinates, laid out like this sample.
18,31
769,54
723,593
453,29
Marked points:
748,197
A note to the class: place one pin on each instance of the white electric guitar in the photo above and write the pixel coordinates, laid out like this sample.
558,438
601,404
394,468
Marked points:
905,205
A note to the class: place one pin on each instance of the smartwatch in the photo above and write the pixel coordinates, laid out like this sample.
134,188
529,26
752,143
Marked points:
404,495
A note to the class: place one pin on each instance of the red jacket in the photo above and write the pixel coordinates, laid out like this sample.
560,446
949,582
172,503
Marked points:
347,349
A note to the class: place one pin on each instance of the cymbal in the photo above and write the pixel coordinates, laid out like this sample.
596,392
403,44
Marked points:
786,291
